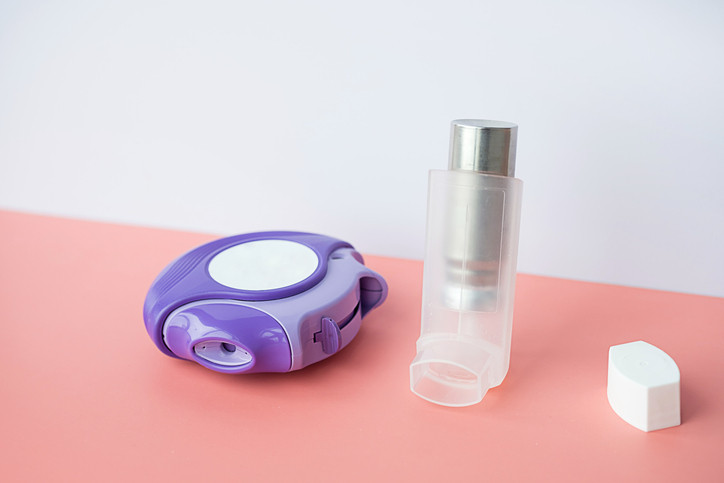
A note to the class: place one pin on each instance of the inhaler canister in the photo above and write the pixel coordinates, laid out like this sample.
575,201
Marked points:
473,220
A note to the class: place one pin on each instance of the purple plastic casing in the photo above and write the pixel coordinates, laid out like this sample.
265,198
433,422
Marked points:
283,329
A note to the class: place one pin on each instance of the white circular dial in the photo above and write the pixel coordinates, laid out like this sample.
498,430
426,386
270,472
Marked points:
263,265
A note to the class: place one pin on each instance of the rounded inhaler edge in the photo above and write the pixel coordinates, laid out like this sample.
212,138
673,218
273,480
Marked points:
258,308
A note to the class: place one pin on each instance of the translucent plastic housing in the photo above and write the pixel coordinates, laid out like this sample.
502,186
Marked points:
473,222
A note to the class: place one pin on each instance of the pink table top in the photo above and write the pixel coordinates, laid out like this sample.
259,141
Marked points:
87,396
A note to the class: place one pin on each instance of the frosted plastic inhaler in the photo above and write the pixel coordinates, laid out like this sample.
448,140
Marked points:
473,219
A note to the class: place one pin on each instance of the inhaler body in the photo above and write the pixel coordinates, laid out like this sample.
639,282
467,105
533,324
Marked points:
468,286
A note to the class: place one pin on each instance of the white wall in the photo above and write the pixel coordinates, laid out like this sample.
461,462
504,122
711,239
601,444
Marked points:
227,116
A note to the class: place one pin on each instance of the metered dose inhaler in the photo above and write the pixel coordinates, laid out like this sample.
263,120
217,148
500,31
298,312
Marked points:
262,302
473,219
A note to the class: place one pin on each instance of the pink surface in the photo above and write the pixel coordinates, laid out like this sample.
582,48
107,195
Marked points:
86,395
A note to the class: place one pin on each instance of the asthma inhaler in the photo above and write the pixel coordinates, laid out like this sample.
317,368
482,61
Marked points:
262,302
473,220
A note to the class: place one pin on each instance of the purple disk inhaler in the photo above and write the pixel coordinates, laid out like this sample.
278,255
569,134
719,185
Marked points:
262,302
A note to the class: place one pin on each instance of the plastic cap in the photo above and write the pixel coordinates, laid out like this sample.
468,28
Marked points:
643,386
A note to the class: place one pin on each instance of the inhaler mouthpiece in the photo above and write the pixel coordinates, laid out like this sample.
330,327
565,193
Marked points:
470,263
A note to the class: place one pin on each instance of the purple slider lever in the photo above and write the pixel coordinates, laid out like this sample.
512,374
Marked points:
330,336
262,302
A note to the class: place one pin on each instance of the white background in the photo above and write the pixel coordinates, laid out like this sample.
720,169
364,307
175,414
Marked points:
325,116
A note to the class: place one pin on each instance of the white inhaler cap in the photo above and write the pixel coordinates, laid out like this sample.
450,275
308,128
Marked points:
473,219
643,386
